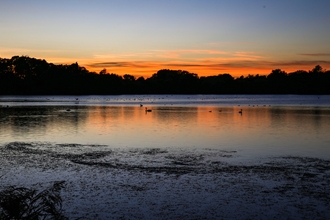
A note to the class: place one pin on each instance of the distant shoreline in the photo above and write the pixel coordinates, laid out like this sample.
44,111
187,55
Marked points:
22,75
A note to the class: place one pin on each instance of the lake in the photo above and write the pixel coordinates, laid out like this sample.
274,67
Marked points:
190,157
270,125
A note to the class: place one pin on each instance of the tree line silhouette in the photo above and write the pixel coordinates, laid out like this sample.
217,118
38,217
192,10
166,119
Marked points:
22,75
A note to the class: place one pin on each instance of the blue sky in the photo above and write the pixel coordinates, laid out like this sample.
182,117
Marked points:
142,36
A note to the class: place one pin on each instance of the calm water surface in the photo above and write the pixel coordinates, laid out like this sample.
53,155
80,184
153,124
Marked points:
272,125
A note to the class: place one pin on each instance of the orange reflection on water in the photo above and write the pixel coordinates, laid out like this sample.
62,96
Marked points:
264,130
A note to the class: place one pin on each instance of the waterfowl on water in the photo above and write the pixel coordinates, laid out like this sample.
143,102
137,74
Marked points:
241,111
148,110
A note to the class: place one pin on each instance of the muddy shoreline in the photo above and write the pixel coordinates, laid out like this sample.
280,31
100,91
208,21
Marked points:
106,183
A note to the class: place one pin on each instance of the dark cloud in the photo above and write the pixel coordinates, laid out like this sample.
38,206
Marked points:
120,64
108,64
303,63
183,64
141,66
278,64
315,54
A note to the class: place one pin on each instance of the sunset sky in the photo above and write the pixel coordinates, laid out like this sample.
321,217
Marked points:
139,37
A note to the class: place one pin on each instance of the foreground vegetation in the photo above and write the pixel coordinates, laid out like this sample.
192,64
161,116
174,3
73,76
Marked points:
24,75
24,203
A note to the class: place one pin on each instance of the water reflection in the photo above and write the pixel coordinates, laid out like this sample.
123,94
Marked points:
262,130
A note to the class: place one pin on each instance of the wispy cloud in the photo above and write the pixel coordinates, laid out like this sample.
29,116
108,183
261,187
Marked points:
25,51
51,55
124,64
160,54
216,44
193,55
122,56
248,55
193,51
302,63
315,54
275,64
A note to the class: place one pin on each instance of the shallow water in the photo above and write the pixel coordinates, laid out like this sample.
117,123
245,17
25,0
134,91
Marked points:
270,125
140,183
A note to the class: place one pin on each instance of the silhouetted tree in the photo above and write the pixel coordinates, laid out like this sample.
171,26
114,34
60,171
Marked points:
103,71
173,81
129,78
25,75
278,81
317,69
222,83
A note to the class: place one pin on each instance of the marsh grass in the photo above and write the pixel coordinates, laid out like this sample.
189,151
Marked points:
25,203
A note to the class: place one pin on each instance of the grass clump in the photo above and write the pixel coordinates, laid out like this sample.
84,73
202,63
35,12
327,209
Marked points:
24,203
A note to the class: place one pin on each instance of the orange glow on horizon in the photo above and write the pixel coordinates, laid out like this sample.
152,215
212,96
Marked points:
200,62
200,71
212,67
148,71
